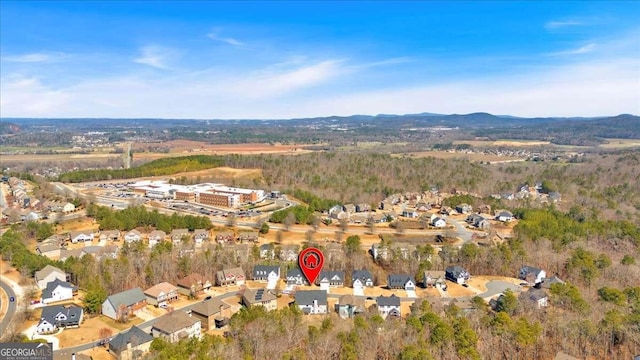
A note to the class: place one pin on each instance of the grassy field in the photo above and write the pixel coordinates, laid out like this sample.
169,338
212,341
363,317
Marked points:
620,143
503,142
459,155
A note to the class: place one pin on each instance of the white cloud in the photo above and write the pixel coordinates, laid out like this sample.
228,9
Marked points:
563,23
227,40
154,56
35,57
578,51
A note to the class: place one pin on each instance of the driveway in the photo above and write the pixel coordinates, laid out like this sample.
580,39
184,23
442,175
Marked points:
497,287
32,334
358,291
272,284
411,293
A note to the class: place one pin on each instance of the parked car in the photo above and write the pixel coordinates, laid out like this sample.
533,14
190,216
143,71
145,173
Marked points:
209,297
33,302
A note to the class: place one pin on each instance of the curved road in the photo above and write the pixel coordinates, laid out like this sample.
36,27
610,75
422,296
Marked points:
11,310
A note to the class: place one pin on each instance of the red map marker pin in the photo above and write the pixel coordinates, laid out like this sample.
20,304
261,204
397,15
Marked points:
311,261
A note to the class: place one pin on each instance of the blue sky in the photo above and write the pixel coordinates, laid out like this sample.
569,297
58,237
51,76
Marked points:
295,59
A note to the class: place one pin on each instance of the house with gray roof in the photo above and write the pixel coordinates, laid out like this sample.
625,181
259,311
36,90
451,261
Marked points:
131,344
401,281
388,306
122,305
58,316
546,283
296,277
362,278
457,274
50,250
57,290
532,274
266,273
537,298
328,278
312,302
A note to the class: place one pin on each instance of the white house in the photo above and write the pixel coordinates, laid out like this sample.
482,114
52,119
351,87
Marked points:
156,236
82,236
58,316
438,222
48,274
532,275
68,207
388,306
266,273
57,290
132,236
361,279
504,216
312,301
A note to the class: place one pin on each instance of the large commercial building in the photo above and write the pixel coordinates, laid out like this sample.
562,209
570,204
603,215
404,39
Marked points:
207,193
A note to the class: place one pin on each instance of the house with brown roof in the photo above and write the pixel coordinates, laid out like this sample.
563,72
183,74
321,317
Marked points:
225,237
193,284
213,313
248,236
82,236
175,326
260,297
112,235
48,274
177,235
161,294
233,276
131,344
156,236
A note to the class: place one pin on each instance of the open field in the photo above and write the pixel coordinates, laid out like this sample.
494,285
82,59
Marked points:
460,155
504,142
180,147
620,143
57,157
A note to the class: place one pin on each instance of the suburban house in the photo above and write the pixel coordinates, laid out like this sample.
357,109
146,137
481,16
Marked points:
233,276
200,236
328,279
57,290
288,253
175,326
464,208
554,196
177,235
388,306
438,222
410,213
161,294
267,252
266,273
225,237
295,277
132,236
131,344
446,210
58,316
312,301
423,206
484,209
193,284
537,297
82,236
546,283
50,250
248,236
532,275
213,313
112,235
478,221
68,207
401,281
362,278
260,297
466,306
349,306
457,274
433,278
122,305
48,274
32,216
350,208
504,216
156,236
363,207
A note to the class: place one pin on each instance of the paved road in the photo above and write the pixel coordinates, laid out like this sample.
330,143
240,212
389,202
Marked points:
11,311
